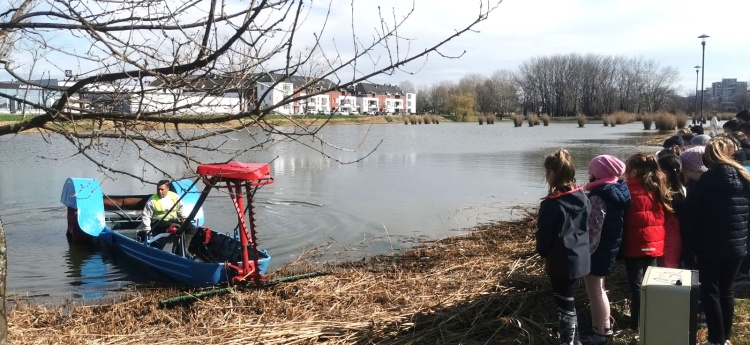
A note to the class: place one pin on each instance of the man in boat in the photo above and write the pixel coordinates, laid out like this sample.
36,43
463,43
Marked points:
164,210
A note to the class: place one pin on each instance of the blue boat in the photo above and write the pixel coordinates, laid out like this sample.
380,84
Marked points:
115,219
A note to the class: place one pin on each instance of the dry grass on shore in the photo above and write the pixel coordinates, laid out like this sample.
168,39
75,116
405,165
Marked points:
486,287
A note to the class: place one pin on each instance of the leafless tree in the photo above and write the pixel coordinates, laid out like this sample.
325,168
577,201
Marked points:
564,85
194,53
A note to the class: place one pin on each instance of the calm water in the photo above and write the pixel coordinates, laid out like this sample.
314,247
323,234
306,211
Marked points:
424,181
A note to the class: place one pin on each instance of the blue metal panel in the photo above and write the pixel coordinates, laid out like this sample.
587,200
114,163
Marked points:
190,198
85,195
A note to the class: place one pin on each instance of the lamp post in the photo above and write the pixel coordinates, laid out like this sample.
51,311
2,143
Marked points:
696,93
703,71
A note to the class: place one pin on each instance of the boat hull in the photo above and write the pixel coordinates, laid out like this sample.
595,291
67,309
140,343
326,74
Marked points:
177,268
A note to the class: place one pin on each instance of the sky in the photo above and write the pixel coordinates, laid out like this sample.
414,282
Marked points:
663,30
517,30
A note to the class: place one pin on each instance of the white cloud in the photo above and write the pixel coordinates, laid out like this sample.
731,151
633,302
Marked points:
663,30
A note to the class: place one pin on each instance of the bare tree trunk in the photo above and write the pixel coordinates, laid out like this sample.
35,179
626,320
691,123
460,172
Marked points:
3,276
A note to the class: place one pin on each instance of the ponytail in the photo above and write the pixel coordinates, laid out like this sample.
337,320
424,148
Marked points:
720,151
563,169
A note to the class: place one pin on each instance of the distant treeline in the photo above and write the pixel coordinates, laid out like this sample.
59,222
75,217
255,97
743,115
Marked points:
562,85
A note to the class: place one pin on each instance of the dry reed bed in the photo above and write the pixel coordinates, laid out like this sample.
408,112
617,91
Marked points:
387,299
484,287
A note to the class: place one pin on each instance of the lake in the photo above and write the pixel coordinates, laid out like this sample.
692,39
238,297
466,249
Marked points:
423,182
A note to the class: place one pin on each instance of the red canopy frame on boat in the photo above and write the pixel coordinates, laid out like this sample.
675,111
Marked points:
234,176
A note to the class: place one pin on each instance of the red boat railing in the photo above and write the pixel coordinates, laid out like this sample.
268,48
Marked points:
236,176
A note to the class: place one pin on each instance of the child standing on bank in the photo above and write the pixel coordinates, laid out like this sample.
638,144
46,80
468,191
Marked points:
692,169
562,238
671,166
643,236
717,212
609,197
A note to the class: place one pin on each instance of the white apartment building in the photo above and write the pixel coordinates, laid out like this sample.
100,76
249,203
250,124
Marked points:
318,104
367,105
347,103
411,103
274,94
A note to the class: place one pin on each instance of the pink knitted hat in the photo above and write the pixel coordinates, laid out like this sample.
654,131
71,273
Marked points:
692,159
606,169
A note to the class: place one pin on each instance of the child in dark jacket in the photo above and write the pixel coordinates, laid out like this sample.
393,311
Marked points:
562,239
692,169
643,235
671,166
716,218
609,197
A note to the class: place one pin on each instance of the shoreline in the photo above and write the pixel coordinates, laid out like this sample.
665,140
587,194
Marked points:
485,286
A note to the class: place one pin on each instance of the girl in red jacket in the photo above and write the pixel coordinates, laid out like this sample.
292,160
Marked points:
643,235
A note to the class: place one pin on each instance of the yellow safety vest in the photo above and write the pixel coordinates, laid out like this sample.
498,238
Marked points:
159,210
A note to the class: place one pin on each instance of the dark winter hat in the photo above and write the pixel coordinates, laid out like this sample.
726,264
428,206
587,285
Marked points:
700,140
697,129
731,125
743,115
674,141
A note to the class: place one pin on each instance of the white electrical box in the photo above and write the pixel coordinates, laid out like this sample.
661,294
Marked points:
669,306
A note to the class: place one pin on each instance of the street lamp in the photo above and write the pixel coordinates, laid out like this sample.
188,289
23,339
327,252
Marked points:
703,71
696,92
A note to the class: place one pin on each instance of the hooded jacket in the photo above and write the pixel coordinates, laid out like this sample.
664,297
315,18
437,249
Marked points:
562,234
616,197
716,213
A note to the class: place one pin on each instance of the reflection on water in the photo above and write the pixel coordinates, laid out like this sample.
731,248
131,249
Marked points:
422,182
87,271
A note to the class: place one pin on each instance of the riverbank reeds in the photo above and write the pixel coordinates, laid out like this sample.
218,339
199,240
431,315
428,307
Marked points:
681,120
545,119
581,119
406,119
665,121
517,120
533,120
486,286
647,120
722,116
605,120
491,119
622,118
481,119
413,119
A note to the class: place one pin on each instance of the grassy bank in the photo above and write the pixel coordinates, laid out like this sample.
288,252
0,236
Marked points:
484,287
275,120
